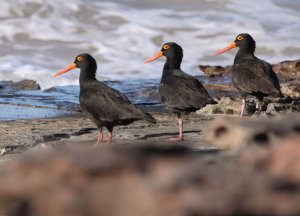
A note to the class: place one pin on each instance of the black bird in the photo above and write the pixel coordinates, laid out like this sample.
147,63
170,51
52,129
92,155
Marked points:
180,92
251,75
105,106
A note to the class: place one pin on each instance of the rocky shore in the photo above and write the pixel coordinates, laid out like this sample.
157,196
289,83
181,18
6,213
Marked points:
225,166
228,101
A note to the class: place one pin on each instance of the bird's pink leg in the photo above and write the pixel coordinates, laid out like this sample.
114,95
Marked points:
100,137
243,107
180,124
109,137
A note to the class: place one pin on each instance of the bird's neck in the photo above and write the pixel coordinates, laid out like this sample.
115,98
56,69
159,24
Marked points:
88,73
171,65
243,53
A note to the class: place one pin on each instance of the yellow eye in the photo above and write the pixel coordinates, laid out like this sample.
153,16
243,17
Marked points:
166,47
79,58
240,38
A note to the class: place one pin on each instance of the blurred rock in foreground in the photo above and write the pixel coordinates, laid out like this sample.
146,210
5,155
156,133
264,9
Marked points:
259,177
237,133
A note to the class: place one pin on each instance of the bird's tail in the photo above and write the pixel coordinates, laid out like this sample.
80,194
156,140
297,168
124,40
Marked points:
149,118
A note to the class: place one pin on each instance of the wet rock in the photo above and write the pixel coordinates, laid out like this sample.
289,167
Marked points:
22,85
282,108
151,93
72,107
5,84
228,106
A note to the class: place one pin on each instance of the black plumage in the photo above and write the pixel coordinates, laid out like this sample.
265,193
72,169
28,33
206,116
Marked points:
251,75
180,92
105,106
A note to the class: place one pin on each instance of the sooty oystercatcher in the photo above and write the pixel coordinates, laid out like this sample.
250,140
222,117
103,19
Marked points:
251,75
180,92
105,106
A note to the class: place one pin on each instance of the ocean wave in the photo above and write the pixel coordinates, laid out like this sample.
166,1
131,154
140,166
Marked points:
39,37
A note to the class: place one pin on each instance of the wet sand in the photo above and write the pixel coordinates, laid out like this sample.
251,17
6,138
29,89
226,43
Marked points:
21,136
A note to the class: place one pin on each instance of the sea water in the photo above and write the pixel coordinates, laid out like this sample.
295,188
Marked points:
39,37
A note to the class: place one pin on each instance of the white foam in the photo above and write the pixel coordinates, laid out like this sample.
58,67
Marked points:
39,37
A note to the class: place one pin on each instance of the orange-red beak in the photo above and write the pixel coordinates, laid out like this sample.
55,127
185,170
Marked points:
65,70
156,56
229,47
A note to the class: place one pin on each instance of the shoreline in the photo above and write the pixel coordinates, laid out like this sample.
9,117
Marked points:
19,136
68,123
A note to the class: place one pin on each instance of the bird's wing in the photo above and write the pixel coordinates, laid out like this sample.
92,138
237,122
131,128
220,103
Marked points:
108,104
183,92
255,76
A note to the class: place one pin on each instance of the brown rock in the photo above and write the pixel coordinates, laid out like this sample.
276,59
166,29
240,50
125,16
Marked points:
287,70
212,71
149,180
292,89
268,145
238,133
27,85
219,87
226,105
284,159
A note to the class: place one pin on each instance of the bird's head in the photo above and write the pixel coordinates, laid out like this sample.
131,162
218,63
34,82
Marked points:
81,61
243,41
170,50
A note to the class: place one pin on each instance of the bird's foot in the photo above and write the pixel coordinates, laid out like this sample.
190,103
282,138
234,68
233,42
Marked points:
176,139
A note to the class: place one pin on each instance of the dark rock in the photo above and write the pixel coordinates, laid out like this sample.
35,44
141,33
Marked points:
229,103
5,84
22,85
279,108
27,85
151,93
